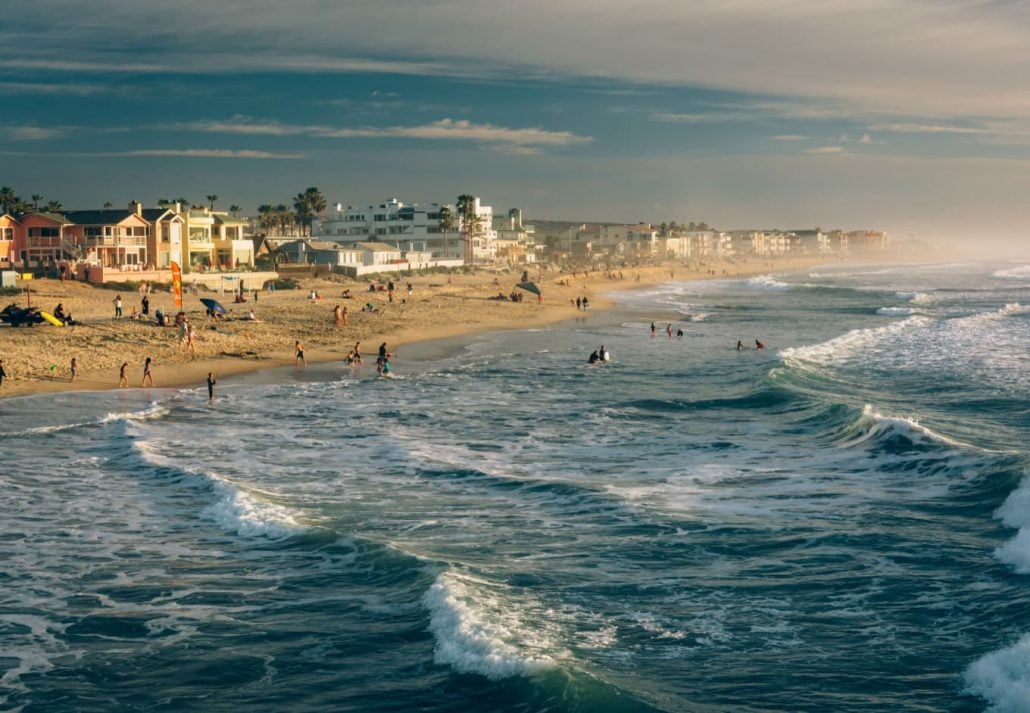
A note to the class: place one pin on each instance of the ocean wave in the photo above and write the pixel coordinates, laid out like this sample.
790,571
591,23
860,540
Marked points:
919,298
1016,273
1015,513
872,425
480,631
154,410
896,311
829,352
237,509
1002,678
766,282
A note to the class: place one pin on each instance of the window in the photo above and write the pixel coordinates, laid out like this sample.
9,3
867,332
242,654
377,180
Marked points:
44,232
6,233
92,231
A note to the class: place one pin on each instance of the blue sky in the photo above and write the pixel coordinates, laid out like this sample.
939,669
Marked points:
909,116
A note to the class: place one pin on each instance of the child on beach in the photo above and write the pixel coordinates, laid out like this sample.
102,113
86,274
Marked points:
74,369
148,375
123,377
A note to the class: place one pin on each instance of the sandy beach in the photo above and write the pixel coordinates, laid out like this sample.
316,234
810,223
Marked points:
38,359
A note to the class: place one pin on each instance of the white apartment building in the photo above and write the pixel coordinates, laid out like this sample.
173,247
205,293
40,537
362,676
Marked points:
410,228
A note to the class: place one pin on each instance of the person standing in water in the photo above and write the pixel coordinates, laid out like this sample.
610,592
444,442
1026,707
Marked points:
759,345
298,351
211,386
740,346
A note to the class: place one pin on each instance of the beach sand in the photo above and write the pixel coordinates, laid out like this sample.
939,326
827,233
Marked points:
38,359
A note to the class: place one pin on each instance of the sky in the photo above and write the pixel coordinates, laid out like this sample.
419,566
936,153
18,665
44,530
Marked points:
911,116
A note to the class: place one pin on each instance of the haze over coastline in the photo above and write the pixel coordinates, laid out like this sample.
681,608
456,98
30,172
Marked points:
747,115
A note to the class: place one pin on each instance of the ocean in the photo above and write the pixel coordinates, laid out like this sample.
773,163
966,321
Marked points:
837,522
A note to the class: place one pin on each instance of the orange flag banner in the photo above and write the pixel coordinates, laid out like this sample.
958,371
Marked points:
177,284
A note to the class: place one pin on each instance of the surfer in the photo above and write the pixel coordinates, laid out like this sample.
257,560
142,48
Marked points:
603,353
759,345
594,358
679,333
740,346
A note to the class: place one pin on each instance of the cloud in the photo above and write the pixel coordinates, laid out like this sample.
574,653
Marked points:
444,129
913,57
789,137
917,128
205,153
31,133
57,88
825,150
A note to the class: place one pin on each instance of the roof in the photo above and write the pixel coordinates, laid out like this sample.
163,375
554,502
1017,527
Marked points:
228,219
55,217
109,216
378,247
155,214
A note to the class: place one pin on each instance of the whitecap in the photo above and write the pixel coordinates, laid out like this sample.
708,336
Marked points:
1016,273
766,282
478,630
854,341
896,311
1002,678
1015,513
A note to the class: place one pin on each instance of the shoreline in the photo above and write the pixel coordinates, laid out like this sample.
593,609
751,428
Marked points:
440,309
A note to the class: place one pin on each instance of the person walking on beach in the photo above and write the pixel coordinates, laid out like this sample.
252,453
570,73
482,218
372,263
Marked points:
148,374
74,369
145,306
123,376
118,306
211,386
298,350
191,344
338,316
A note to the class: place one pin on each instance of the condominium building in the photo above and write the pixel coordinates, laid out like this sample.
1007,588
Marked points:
411,227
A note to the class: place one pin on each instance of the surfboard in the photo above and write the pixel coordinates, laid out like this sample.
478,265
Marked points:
52,319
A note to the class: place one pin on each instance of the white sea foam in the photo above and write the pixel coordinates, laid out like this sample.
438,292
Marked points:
237,509
831,351
1016,273
479,630
879,424
154,410
766,282
896,311
1002,678
920,298
1015,513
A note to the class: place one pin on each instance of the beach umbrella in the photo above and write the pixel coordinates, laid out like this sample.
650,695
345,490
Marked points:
213,305
529,287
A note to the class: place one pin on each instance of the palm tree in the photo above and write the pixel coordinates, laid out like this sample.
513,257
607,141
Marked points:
108,204
54,207
36,198
211,199
309,205
471,224
9,200
446,224
234,209
285,218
